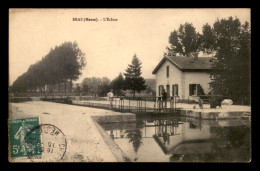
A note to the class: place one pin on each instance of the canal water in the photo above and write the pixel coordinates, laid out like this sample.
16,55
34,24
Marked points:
180,139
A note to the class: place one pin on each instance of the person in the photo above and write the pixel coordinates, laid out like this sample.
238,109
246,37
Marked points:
112,135
212,102
218,102
21,135
200,103
121,133
110,96
164,97
166,138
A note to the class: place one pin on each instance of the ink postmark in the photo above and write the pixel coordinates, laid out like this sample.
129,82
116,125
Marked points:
38,142
53,145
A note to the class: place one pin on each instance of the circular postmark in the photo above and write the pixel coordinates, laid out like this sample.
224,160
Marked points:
50,146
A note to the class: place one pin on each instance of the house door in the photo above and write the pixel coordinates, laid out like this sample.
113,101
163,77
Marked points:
168,90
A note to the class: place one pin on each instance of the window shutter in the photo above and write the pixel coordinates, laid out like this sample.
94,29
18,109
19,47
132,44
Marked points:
198,89
177,92
168,90
160,89
173,90
190,87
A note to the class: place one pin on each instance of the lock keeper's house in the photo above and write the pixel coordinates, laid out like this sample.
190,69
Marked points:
184,77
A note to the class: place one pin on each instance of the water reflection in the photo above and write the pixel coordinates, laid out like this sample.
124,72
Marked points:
224,145
183,139
135,137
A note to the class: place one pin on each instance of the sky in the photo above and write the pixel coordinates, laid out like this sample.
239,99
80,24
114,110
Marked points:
108,45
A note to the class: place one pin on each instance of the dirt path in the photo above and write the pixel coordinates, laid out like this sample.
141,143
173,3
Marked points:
84,142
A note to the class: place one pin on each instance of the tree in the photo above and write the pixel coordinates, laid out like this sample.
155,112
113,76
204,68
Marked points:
208,40
118,84
96,85
133,79
231,68
135,137
186,41
21,83
63,63
149,90
103,89
78,90
85,89
70,61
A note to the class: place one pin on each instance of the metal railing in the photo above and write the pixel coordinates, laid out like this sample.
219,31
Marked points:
136,105
124,104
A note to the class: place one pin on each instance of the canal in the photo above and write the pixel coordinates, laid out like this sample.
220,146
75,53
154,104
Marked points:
182,139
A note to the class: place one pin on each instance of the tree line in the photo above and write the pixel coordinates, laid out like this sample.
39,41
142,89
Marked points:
131,80
62,64
94,86
229,43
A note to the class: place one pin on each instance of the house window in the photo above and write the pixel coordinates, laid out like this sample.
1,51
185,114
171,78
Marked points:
167,71
194,89
175,91
160,89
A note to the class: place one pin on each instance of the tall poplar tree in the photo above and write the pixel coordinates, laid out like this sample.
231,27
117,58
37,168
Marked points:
63,63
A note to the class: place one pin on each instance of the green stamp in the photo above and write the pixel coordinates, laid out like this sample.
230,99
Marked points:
18,131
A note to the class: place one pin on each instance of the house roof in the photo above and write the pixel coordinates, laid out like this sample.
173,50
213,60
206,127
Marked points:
187,63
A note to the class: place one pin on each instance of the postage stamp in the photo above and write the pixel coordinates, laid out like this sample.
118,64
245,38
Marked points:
18,129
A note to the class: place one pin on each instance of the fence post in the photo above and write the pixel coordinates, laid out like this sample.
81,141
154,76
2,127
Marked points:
145,105
140,110
129,104
159,103
141,105
137,108
171,104
137,100
175,102
121,102
154,106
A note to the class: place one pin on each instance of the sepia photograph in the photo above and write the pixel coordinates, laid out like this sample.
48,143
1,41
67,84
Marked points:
129,85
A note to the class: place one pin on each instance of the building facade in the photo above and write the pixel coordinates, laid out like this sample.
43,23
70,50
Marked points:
183,77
